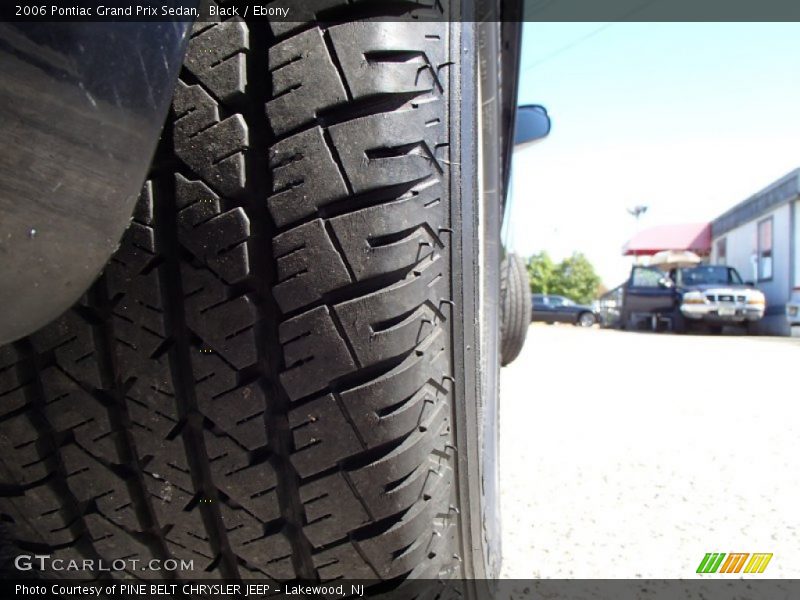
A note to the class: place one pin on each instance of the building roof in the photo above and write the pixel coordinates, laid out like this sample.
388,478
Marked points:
695,237
784,190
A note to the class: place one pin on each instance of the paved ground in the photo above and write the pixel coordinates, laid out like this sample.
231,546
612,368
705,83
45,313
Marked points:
634,454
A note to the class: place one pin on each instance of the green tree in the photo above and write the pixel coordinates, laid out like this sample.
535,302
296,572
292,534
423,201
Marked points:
541,273
577,278
573,277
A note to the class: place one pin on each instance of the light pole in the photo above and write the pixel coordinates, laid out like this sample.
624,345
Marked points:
637,212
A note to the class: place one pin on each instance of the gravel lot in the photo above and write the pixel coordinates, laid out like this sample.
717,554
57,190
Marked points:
633,454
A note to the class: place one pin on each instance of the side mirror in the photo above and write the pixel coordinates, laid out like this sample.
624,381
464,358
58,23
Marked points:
750,283
533,124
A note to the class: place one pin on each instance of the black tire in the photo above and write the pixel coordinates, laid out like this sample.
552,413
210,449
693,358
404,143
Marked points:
586,319
680,324
262,379
515,307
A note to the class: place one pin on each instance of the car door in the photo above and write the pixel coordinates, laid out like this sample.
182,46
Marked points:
541,310
570,311
647,292
560,309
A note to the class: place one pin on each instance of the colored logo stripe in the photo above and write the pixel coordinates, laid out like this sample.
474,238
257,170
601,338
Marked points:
758,563
711,562
734,562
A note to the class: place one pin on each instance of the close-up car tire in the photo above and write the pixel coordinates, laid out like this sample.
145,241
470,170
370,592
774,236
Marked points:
263,379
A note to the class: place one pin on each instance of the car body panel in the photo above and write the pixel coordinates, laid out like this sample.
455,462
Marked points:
83,105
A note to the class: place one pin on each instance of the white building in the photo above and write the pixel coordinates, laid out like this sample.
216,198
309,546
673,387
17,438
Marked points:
760,237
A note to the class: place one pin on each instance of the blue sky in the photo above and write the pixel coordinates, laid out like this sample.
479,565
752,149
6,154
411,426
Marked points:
686,118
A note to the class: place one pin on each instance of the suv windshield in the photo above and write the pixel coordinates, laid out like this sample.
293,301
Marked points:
709,275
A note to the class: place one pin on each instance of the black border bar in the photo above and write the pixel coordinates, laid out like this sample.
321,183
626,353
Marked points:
276,11
715,587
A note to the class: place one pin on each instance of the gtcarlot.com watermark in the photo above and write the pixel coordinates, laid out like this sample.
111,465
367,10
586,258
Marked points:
45,562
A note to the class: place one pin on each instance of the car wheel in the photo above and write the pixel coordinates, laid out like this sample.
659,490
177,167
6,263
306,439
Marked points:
586,319
680,325
272,376
515,296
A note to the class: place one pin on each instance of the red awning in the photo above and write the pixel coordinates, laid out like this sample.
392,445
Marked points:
695,237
